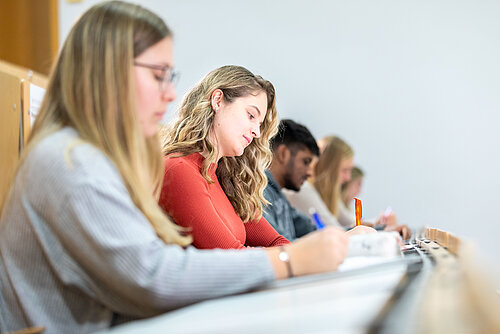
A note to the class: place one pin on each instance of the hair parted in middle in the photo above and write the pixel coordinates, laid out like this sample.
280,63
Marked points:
326,170
242,177
91,89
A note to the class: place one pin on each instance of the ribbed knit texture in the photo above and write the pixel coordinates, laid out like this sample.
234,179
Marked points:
76,255
205,209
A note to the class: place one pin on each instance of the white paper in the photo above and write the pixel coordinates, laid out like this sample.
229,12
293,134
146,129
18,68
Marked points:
383,244
36,97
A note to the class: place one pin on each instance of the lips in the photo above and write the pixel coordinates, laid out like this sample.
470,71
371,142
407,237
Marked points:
248,140
160,114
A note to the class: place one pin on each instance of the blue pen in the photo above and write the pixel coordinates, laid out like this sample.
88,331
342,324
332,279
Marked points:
319,224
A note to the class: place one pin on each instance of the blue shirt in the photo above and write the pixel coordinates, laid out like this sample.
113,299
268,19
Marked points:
285,219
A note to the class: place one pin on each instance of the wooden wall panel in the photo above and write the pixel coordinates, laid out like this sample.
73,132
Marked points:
29,33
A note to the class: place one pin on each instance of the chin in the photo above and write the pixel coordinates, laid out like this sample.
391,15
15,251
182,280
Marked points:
239,153
292,187
149,132
234,154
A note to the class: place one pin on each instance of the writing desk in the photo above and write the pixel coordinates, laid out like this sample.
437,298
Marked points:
347,302
434,288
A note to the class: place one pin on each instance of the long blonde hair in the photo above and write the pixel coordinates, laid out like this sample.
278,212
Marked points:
91,89
326,170
242,178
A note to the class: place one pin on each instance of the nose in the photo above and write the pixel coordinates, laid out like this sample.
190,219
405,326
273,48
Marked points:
169,95
309,171
256,131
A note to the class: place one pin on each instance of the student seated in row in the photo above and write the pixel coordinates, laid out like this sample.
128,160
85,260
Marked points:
351,189
215,156
332,169
83,243
294,148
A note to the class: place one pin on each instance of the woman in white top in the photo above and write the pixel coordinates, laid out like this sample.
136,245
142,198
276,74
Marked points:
322,193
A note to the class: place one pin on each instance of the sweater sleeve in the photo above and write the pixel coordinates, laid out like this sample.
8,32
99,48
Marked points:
262,234
186,199
116,257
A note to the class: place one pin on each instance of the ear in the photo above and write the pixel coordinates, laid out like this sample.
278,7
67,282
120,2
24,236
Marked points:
282,154
216,99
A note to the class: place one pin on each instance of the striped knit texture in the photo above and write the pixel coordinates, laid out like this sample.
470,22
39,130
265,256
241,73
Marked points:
77,256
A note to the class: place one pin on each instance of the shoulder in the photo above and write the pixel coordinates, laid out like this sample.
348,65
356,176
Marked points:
191,162
64,153
272,188
61,164
183,171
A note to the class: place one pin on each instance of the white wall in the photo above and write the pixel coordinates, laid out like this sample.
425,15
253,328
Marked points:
413,86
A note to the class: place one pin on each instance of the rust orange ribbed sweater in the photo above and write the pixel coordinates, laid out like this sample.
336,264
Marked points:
205,209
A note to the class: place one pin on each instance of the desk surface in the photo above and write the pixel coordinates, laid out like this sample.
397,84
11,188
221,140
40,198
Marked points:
346,302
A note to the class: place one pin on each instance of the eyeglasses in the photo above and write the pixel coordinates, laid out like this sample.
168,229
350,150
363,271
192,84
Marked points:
168,75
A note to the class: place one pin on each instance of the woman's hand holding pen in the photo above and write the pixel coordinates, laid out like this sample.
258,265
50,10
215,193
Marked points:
387,219
403,230
318,252
361,229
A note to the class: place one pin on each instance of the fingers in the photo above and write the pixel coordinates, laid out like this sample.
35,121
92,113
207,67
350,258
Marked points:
403,230
388,219
337,245
361,230
406,232
320,251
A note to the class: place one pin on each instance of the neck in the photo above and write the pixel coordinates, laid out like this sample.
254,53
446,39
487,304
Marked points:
213,140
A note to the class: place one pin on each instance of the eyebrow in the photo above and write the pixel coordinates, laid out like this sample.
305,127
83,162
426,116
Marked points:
255,107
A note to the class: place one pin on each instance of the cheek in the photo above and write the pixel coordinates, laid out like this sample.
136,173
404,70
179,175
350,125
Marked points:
147,93
143,108
141,100
303,171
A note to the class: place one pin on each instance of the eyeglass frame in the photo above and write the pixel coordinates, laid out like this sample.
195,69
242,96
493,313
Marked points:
172,78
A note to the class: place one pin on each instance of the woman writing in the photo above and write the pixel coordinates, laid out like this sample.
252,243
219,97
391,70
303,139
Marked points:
216,154
83,243
332,169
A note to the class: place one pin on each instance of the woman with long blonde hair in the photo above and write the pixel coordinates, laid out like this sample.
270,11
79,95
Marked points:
83,243
215,156
321,193
331,171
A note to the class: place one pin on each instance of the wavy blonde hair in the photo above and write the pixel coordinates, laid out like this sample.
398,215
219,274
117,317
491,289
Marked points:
242,178
91,89
326,170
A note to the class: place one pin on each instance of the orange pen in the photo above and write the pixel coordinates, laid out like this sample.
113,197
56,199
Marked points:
359,211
